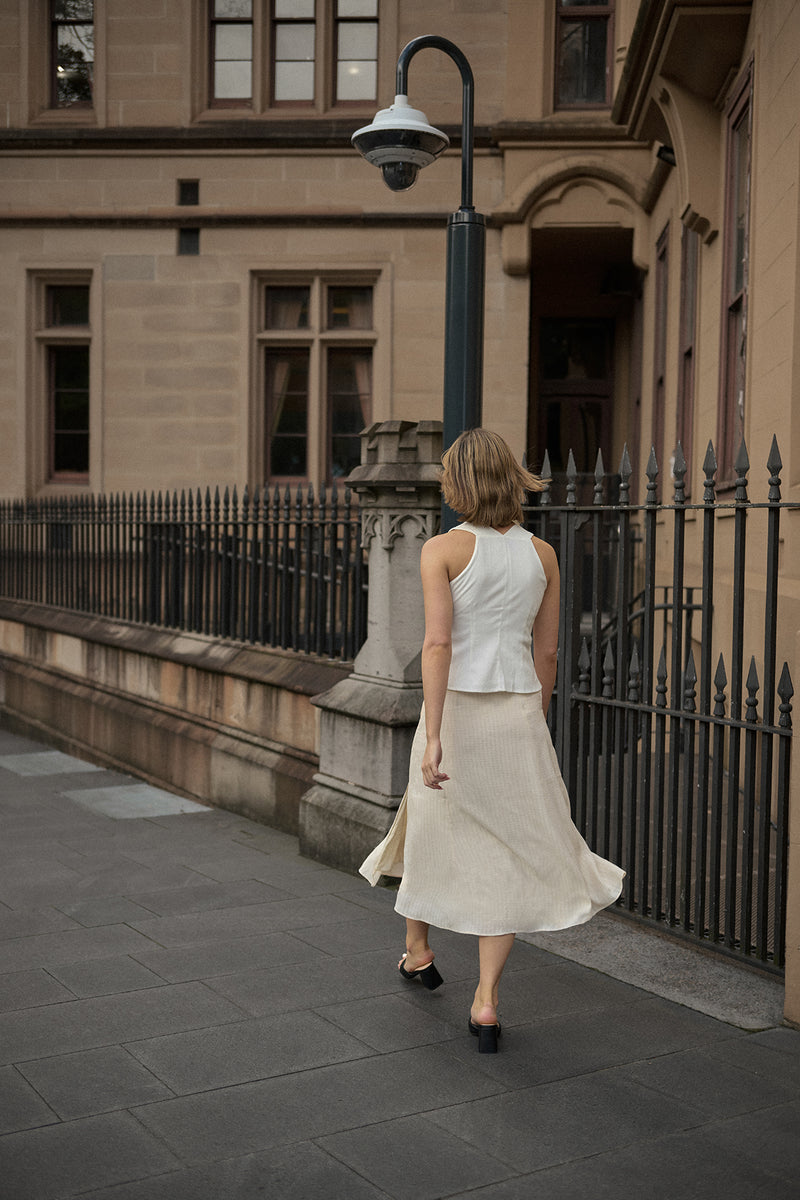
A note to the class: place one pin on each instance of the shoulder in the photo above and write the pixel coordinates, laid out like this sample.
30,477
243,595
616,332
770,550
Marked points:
448,552
547,555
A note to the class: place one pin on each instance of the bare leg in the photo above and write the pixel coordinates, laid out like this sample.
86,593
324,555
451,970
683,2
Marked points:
418,952
494,952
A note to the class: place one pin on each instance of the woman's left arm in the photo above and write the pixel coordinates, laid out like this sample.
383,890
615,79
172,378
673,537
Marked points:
545,627
436,654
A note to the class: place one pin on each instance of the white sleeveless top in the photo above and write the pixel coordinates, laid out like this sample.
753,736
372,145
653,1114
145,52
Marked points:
495,601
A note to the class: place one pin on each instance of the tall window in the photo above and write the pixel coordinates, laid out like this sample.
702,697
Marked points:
293,52
64,341
684,419
660,352
71,53
584,54
317,341
734,317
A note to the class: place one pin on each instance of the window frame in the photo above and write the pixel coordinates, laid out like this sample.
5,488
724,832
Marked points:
687,338
48,337
660,332
584,14
318,337
733,335
54,24
212,24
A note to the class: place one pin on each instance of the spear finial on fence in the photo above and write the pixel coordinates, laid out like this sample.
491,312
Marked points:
625,472
679,474
651,471
720,683
547,476
634,671
608,674
710,468
774,465
741,465
584,668
752,685
661,678
785,691
689,683
572,479
599,476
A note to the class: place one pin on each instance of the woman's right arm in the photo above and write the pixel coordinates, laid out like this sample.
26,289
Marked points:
436,654
545,627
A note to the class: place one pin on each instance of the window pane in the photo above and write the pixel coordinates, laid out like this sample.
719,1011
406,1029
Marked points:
573,349
357,8
356,81
287,308
741,150
68,305
294,43
350,308
294,81
287,411
234,43
357,39
294,8
74,63
582,62
350,403
233,81
73,10
69,417
233,8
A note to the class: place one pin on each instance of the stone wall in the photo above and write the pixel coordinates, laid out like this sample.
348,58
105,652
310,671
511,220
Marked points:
222,722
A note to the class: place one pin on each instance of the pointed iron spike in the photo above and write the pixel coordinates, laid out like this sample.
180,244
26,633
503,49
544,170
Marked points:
546,472
774,462
635,666
572,470
625,468
785,686
751,682
652,465
710,461
525,460
599,473
584,661
608,660
742,460
234,497
661,672
679,465
720,675
690,674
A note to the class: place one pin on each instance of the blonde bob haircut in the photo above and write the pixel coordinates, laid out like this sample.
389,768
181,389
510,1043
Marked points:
483,482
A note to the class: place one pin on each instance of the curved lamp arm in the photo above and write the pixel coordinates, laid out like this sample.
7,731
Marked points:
434,42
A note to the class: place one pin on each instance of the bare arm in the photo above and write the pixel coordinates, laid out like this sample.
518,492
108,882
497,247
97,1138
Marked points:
436,653
545,627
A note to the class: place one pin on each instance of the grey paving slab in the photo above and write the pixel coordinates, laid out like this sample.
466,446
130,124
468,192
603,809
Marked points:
29,989
65,1160
714,1086
245,1051
104,976
221,924
73,945
105,910
364,931
322,981
21,1107
310,1104
770,1137
222,958
201,896
16,923
388,1023
108,1020
535,1127
92,1082
45,762
301,1172
773,1055
412,1159
130,801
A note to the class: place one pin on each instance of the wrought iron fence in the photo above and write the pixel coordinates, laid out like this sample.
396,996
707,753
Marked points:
675,750
276,569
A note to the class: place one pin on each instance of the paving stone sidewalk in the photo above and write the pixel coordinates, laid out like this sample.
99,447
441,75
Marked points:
190,1010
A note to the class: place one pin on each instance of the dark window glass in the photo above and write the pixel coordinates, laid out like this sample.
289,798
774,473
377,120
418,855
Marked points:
583,55
574,349
188,191
188,241
69,410
287,412
349,406
287,307
72,33
68,305
350,308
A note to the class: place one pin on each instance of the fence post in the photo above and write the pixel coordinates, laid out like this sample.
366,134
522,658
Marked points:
368,720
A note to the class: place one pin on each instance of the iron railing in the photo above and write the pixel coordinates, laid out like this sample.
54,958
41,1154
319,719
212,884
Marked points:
675,749
276,569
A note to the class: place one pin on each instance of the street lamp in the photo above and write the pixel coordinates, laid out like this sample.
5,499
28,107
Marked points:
401,141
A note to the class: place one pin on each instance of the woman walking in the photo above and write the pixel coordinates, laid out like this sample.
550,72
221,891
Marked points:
484,841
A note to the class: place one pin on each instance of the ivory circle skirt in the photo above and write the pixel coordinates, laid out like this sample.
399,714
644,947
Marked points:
495,851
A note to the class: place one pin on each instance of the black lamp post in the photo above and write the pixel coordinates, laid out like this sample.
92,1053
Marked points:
400,141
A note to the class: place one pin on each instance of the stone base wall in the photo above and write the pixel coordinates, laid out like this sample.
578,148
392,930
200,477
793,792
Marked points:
221,722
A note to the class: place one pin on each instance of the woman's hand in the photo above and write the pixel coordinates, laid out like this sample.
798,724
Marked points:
431,760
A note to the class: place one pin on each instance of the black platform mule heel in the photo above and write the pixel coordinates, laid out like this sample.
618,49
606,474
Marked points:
428,976
487,1036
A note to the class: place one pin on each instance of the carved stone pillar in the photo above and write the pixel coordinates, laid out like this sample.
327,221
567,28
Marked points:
368,720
